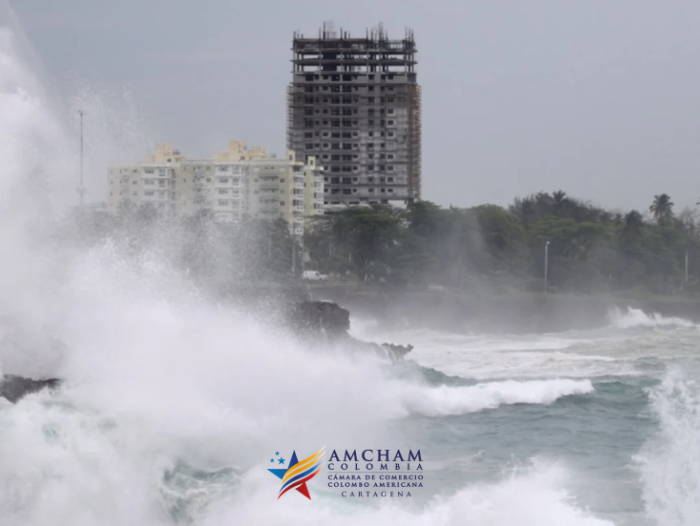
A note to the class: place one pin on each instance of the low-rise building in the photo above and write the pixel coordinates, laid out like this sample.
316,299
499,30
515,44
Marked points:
241,182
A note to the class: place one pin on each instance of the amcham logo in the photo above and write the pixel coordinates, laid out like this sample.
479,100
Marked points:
298,473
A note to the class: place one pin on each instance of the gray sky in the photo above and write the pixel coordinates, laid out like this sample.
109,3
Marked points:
594,97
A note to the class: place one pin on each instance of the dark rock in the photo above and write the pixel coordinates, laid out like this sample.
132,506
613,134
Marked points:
320,319
399,351
326,322
16,387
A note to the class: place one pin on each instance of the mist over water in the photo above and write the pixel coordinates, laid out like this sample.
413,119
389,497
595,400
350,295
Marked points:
173,401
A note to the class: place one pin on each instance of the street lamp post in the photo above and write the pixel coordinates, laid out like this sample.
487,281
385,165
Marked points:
546,264
81,188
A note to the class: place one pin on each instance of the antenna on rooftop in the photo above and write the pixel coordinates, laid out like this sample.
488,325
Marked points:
81,186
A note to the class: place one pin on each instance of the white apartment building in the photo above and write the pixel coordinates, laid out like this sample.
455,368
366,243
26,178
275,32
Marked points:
234,185
151,181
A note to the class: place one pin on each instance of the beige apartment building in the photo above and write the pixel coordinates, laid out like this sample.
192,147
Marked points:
234,185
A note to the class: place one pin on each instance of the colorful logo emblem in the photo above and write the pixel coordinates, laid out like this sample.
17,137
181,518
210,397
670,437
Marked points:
299,472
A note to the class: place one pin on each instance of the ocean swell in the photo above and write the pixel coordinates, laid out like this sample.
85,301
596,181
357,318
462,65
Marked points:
443,401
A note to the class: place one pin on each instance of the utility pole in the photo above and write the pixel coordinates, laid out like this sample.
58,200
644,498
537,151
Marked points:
81,188
294,255
546,264
686,265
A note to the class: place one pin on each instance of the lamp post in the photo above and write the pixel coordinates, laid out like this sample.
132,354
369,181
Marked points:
686,265
546,264
81,188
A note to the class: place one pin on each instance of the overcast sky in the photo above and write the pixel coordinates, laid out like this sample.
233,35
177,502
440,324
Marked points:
599,98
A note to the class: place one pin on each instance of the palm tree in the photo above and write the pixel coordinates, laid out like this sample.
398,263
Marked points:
662,208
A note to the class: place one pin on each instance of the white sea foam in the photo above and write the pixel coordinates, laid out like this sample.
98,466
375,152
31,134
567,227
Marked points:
534,498
442,401
630,318
670,461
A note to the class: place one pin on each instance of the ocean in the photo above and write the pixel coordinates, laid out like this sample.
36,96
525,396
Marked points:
174,406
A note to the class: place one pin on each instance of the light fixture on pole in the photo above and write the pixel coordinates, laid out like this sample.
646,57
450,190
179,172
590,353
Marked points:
81,187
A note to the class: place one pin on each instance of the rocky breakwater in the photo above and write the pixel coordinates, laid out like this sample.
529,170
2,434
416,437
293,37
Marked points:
315,322
13,387
323,322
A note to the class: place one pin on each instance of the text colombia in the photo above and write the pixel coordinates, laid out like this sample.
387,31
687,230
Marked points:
375,469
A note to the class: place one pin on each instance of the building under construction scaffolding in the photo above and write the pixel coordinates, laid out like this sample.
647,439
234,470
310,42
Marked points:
355,104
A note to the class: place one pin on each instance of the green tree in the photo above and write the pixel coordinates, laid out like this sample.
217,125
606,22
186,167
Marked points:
367,235
662,209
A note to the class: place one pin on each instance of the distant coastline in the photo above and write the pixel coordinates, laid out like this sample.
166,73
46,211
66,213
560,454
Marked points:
510,313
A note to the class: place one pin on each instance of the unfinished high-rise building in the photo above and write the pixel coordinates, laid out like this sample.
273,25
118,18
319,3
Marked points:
355,105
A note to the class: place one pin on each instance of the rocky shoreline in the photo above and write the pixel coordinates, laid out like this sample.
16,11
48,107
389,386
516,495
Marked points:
317,323
324,322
